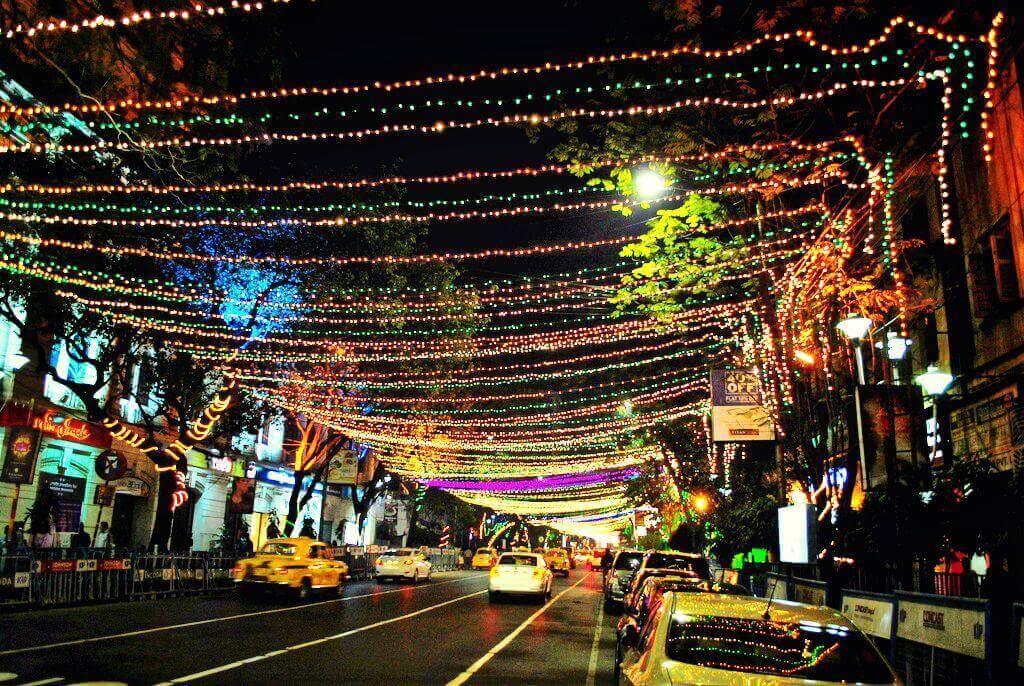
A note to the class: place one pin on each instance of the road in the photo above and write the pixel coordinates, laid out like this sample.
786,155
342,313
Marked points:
441,632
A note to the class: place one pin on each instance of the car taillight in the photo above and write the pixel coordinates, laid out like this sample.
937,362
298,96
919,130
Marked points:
237,571
380,562
538,574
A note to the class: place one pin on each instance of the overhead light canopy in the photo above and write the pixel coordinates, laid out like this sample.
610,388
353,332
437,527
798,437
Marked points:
854,327
933,381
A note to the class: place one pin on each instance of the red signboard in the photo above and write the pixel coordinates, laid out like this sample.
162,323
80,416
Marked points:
59,566
56,425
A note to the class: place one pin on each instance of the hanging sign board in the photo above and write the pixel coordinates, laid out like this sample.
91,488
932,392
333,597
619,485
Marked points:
20,459
737,409
798,529
343,468
110,465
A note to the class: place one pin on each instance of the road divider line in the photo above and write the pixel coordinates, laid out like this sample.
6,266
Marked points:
213,620
486,657
595,647
314,642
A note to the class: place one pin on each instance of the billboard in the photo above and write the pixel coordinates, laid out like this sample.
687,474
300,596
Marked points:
798,534
891,417
343,468
20,460
737,408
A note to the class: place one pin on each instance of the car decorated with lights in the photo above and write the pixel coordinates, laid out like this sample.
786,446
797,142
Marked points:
403,563
299,565
705,638
520,574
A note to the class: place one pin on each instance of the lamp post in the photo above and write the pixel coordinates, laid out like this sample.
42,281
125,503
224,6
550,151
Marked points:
934,383
855,328
896,347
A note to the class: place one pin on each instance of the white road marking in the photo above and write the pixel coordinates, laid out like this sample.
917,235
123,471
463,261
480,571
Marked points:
478,665
51,680
212,620
595,647
314,642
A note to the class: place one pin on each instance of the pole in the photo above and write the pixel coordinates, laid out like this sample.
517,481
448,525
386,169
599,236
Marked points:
13,517
780,460
860,420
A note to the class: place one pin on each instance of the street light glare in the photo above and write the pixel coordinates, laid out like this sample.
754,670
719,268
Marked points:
854,327
933,381
650,184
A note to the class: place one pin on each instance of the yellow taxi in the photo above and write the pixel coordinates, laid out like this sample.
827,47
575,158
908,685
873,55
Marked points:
557,560
484,558
299,565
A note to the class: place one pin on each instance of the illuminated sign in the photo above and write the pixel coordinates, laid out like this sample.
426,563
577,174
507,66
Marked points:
221,464
68,428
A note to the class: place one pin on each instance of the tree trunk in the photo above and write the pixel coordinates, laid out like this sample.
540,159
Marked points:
291,520
166,485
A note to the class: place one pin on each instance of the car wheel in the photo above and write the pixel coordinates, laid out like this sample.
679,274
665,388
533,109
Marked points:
340,588
305,589
492,596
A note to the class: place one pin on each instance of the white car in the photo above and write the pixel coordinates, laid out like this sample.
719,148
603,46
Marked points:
520,574
404,563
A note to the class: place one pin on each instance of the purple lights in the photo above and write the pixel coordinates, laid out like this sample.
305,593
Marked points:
539,484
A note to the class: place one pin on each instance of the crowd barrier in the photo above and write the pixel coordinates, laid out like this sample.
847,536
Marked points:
68,577
929,638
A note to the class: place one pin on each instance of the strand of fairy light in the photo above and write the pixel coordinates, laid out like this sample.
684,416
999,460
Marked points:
194,10
800,35
516,119
750,187
719,155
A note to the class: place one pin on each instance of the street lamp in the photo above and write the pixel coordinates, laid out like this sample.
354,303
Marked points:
856,327
896,347
650,184
934,383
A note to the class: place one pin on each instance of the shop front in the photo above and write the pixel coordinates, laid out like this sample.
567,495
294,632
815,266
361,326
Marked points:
211,480
273,490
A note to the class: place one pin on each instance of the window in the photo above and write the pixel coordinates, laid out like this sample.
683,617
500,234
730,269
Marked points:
628,561
1004,262
519,560
697,565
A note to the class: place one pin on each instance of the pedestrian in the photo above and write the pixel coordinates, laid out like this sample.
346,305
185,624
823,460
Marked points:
103,536
243,545
307,528
80,539
467,558
272,529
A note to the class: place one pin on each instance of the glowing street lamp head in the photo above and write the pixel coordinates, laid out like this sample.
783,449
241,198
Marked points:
854,327
701,503
650,184
933,381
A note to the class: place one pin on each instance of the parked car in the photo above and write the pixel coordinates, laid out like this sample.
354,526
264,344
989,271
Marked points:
703,638
297,565
637,609
404,563
557,561
619,577
484,558
520,574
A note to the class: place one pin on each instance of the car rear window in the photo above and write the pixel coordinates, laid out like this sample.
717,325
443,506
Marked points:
697,565
518,560
277,549
802,650
398,553
485,551
628,560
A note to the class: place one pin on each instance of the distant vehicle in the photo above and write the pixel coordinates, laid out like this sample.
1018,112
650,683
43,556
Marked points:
484,558
703,638
404,563
520,574
581,556
298,565
596,555
557,561
636,608
520,548
618,579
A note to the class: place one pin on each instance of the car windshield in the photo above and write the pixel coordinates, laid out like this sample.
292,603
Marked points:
518,560
628,561
484,551
278,549
697,565
803,650
398,553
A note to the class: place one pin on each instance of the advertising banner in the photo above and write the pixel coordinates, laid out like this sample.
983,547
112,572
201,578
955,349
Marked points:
343,468
893,432
20,458
243,497
809,592
798,534
872,615
737,408
957,626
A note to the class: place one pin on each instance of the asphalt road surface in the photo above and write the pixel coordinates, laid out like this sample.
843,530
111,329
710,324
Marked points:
441,632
